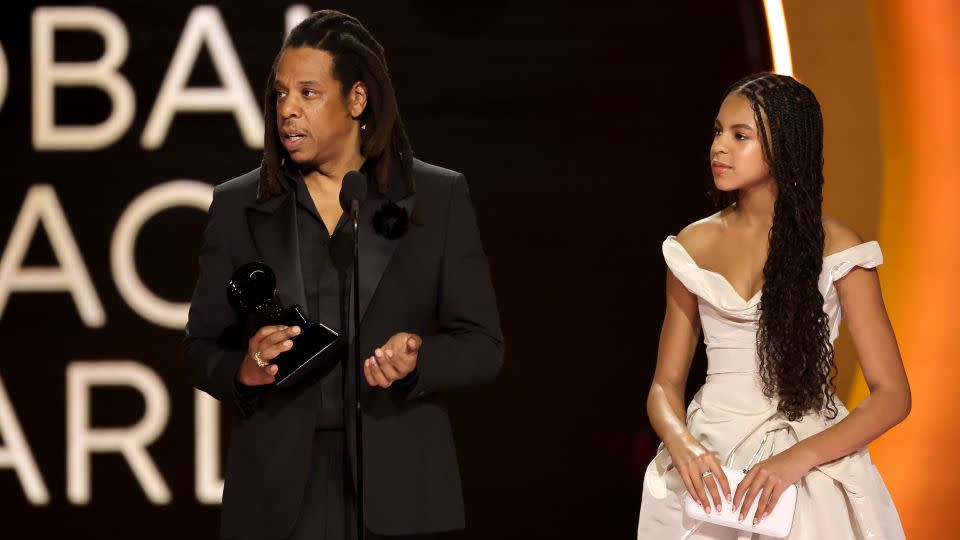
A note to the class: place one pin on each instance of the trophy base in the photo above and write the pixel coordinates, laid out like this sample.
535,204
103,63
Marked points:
314,348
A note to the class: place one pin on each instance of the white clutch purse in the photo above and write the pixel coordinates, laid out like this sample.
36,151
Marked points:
777,524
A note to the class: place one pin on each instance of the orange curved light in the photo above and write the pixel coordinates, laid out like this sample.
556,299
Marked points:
918,61
916,48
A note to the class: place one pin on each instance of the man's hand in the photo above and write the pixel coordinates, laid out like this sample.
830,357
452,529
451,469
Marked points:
393,361
268,343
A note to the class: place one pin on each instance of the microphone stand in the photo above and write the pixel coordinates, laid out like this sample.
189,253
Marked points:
358,424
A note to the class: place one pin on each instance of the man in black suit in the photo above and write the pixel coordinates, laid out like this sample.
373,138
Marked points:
429,320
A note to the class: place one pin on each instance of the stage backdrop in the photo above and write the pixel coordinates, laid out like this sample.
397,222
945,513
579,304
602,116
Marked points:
583,133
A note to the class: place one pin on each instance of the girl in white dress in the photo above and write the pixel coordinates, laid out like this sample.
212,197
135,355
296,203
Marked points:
767,279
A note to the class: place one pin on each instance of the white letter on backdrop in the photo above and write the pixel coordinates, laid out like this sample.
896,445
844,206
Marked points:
209,482
205,25
101,73
161,312
41,206
16,453
131,441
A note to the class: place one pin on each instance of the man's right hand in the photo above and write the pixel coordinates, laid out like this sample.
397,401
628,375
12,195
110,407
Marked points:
269,342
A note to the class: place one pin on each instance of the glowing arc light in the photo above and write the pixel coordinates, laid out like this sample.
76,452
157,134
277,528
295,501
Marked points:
779,39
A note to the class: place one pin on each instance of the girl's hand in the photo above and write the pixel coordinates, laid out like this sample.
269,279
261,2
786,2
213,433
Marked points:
768,480
692,460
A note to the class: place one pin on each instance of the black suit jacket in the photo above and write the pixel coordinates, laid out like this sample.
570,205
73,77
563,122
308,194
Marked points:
433,281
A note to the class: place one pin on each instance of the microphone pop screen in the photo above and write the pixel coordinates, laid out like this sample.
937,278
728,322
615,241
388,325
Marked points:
354,188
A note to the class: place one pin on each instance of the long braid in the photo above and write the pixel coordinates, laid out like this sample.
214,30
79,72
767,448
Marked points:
793,339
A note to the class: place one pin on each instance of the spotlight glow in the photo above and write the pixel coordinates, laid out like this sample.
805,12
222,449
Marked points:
779,39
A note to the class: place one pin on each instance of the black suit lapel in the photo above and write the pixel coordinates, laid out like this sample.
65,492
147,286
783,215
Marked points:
374,254
376,250
273,225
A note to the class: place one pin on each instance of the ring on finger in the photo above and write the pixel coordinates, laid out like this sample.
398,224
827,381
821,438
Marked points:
705,474
258,360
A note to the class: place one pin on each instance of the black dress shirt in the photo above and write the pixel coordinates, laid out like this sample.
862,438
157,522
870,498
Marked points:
326,263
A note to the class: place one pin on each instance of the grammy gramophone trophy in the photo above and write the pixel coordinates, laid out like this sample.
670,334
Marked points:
252,292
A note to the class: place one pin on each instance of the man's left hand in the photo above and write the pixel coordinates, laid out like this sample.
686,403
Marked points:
393,361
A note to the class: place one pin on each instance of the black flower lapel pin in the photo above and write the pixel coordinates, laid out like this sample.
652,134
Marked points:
391,220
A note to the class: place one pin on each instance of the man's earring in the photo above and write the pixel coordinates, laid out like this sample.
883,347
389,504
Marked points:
363,127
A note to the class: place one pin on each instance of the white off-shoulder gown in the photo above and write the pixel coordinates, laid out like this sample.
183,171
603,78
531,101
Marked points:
842,499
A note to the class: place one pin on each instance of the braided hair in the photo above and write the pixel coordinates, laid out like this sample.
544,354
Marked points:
357,57
793,339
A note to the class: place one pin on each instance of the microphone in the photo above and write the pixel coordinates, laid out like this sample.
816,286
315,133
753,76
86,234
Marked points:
354,188
352,191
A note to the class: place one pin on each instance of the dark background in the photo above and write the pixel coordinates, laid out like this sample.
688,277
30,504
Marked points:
583,133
